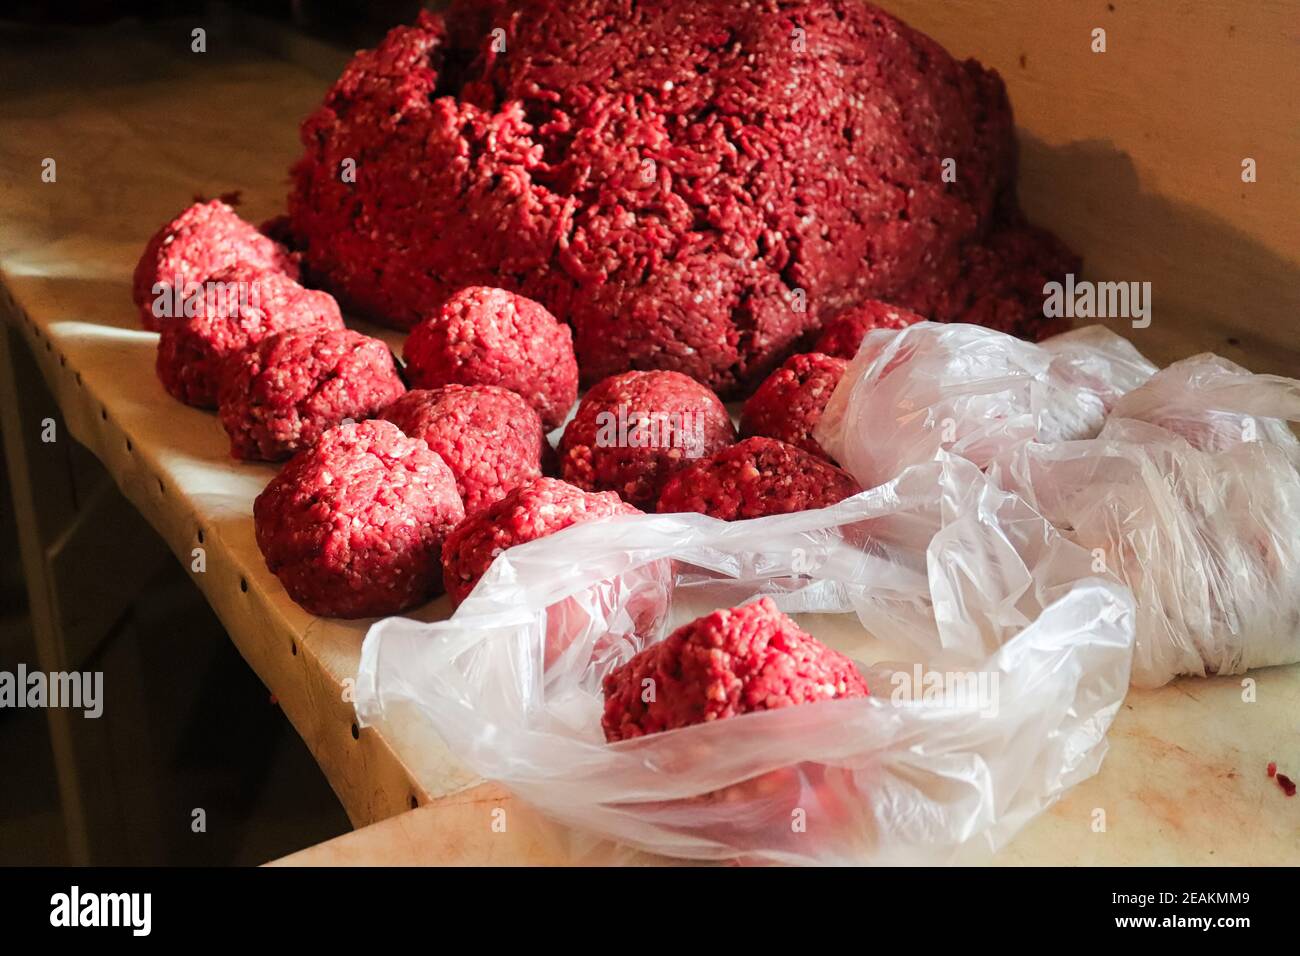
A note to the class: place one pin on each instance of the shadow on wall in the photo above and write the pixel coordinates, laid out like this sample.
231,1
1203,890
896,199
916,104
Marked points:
1213,287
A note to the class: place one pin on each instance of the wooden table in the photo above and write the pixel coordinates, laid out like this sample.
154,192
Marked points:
137,124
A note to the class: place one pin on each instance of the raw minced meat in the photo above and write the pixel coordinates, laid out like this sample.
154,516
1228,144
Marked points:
754,478
535,510
238,308
731,662
486,336
791,400
693,184
490,437
354,526
280,395
205,239
632,431
844,333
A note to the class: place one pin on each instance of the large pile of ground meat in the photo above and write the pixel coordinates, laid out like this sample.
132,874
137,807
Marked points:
693,184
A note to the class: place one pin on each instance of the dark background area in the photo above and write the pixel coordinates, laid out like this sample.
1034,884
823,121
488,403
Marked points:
351,23
204,732
201,732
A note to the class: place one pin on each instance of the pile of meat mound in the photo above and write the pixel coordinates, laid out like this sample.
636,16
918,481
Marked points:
354,526
692,185
204,240
633,431
789,403
731,662
755,478
279,396
490,437
535,510
487,336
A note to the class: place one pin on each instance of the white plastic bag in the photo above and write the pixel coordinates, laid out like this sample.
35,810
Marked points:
938,566
1215,405
1188,494
1196,507
909,394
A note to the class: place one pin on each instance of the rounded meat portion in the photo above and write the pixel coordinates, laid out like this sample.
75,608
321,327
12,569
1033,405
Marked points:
531,511
754,478
490,437
354,526
486,336
633,431
205,239
842,335
790,402
233,310
280,395
731,662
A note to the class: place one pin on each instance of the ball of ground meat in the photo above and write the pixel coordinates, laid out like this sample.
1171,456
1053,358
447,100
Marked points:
843,334
354,526
674,179
731,662
756,477
632,431
490,437
486,336
280,395
235,309
531,511
791,400
204,240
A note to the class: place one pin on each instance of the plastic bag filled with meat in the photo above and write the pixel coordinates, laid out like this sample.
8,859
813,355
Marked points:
1215,405
1190,496
994,661
909,394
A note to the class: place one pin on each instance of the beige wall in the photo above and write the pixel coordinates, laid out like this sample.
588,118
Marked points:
1134,155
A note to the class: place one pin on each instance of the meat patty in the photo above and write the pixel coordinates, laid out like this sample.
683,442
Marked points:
731,662
486,336
235,309
354,526
207,238
280,395
632,431
490,437
754,478
790,402
844,333
535,510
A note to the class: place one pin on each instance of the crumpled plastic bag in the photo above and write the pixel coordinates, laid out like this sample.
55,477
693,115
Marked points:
1189,493
910,394
1216,405
938,567
1191,496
